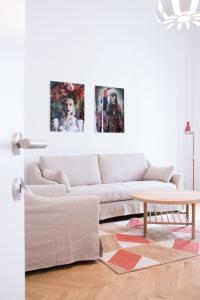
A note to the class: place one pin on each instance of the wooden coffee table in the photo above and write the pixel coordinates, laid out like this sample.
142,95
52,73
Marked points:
177,197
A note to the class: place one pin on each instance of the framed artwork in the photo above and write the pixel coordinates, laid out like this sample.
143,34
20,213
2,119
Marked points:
66,107
109,109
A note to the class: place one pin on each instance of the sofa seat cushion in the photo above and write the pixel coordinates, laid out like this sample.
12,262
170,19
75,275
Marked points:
112,192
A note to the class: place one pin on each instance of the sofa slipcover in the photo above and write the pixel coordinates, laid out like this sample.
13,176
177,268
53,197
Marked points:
60,230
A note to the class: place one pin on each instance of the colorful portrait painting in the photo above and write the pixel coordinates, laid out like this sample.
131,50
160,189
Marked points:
109,109
67,107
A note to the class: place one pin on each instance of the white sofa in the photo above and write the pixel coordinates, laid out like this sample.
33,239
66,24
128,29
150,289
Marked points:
111,177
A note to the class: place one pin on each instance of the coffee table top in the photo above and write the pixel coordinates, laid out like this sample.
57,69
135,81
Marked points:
167,197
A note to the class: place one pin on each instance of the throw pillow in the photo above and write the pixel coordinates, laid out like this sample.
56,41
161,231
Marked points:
159,173
57,176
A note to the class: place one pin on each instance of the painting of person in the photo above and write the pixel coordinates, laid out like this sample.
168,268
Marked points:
109,109
67,107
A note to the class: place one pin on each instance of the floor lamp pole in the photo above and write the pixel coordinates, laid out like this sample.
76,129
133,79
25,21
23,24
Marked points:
189,131
193,173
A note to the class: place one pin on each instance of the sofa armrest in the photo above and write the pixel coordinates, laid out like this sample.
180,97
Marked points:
50,190
60,230
86,206
35,175
177,179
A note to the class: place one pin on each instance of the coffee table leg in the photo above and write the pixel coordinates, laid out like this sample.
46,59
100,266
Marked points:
193,221
145,219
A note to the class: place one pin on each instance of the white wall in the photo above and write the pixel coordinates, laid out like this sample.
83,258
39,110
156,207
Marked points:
110,43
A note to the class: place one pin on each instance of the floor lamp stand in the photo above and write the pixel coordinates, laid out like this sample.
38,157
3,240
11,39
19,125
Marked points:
188,131
193,173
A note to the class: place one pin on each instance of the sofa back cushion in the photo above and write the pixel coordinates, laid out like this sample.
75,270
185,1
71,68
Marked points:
122,167
79,169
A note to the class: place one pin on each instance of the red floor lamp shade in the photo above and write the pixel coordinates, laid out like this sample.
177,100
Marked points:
189,131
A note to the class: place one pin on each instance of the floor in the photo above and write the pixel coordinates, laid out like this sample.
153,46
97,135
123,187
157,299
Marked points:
94,281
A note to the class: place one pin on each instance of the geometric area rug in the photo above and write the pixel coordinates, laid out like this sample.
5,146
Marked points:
124,249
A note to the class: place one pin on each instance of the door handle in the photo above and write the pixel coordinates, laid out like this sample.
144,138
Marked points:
18,143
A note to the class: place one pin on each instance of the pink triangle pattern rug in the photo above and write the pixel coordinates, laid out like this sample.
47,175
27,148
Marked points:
124,249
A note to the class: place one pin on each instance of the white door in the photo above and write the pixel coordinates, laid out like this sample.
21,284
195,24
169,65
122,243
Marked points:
11,120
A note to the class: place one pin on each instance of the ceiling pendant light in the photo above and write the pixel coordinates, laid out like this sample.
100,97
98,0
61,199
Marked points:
180,14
